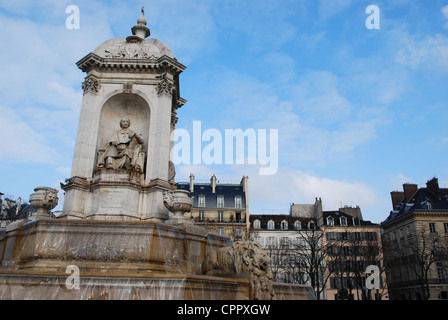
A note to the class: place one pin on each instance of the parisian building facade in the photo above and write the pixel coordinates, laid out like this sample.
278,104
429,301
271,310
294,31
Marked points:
416,242
221,207
329,250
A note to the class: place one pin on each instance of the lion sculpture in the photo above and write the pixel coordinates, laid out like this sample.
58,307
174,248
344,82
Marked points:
243,259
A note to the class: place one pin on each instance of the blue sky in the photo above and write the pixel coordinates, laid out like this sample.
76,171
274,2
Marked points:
359,112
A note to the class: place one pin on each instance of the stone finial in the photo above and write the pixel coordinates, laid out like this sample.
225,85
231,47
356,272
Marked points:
140,29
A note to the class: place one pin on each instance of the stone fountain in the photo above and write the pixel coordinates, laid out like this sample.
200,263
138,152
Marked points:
123,233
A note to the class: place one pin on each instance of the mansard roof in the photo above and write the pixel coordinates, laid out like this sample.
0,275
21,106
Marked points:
423,200
351,220
278,219
228,191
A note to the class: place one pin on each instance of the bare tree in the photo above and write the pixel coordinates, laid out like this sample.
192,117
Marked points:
419,254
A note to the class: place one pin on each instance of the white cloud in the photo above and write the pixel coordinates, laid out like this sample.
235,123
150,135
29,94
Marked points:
22,143
445,14
398,181
292,185
430,52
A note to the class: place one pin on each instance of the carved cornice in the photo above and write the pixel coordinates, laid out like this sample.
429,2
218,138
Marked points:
148,64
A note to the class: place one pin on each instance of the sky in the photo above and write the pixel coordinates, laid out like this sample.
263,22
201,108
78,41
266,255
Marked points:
359,111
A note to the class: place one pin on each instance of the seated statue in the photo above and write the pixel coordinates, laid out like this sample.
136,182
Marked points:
122,151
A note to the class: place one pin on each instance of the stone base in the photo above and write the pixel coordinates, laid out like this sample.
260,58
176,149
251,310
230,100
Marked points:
117,195
19,285
116,260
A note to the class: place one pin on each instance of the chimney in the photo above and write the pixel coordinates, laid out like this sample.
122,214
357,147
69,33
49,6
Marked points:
353,211
191,182
433,186
397,197
244,183
213,183
409,190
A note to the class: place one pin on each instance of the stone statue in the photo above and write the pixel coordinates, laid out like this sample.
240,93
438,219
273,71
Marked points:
123,150
243,258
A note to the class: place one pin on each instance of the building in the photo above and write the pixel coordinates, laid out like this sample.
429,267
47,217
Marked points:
351,244
329,250
415,242
222,208
289,240
12,210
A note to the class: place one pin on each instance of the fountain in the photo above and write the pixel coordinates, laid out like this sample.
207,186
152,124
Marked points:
122,233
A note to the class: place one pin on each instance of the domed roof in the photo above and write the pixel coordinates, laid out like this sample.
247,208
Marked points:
135,46
121,48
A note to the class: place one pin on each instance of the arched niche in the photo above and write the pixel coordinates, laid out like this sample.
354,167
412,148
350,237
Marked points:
120,106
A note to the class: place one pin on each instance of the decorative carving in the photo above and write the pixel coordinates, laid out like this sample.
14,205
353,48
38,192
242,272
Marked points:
123,150
174,119
44,199
127,87
178,202
171,172
243,258
130,50
165,86
91,85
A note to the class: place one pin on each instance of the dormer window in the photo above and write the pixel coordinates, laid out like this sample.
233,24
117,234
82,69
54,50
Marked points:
271,225
343,221
297,225
330,221
284,225
257,224
220,201
238,203
201,201
355,221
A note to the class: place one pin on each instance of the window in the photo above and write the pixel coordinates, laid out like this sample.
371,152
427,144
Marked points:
201,215
284,225
432,227
311,225
238,203
257,224
271,225
220,201
441,272
445,225
409,231
238,217
221,231
331,236
238,233
201,201
330,221
220,216
271,241
343,221
297,225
